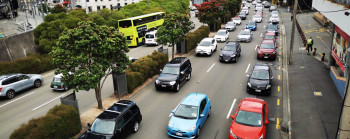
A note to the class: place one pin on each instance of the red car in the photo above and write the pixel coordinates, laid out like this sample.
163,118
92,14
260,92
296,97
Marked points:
267,50
249,120
270,36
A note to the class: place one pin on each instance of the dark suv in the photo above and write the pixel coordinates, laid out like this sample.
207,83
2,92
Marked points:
230,52
174,74
117,121
260,79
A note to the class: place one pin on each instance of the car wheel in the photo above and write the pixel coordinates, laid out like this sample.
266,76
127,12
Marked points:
198,131
37,83
10,94
66,88
177,88
136,127
189,77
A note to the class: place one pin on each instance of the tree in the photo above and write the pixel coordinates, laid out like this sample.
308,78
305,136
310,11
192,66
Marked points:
58,9
87,54
173,30
209,12
234,6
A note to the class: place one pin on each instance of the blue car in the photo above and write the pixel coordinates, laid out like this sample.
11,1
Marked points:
251,25
189,116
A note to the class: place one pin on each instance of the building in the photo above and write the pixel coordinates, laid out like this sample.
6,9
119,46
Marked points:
95,5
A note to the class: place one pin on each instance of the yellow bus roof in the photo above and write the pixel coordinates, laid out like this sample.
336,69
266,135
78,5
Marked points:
141,16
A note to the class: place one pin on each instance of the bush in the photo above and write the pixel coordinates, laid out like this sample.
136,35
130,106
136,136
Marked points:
33,64
195,37
62,121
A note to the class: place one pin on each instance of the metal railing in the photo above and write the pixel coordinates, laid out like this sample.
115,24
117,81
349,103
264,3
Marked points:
301,33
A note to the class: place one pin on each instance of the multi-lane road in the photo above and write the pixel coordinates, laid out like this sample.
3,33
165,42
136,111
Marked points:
224,83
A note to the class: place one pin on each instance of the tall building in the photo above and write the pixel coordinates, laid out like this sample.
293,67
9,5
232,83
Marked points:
95,5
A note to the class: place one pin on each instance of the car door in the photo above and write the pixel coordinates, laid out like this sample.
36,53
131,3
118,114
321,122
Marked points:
203,110
182,72
15,84
123,124
264,118
25,81
213,44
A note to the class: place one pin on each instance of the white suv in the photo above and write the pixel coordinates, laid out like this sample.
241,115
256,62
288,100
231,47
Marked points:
151,38
206,47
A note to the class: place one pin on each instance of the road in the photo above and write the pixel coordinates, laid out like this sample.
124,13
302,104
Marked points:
223,83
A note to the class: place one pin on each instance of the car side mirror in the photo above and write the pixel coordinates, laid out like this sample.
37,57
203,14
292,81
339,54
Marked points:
232,117
202,115
182,72
267,122
172,111
160,70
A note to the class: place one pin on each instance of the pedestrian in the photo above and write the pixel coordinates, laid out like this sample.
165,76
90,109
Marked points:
310,42
291,17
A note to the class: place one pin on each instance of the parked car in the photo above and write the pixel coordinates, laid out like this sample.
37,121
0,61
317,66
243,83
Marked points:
272,28
242,15
257,18
230,52
248,5
249,120
260,79
58,84
274,13
251,25
174,74
272,8
274,19
221,35
258,7
115,122
245,35
207,46
237,20
189,116
246,10
230,26
267,5
258,1
151,38
192,26
11,84
249,1
267,50
270,36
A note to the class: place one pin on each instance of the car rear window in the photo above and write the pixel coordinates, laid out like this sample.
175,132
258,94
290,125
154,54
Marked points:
148,36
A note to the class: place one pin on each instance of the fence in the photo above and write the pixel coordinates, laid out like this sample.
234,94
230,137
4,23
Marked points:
301,33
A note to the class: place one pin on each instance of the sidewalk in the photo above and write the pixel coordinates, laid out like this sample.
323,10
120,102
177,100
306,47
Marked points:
315,103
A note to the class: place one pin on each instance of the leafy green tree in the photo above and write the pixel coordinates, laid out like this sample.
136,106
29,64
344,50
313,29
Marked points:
173,30
91,52
234,6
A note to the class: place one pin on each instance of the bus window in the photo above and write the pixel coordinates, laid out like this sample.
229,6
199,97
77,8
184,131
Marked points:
125,23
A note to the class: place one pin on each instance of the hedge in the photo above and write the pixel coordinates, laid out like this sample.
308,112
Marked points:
60,122
193,38
144,68
33,64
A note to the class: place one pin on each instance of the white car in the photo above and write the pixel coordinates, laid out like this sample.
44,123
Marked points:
206,47
257,18
151,38
274,13
254,2
274,19
230,26
258,6
221,35
237,20
248,5
245,35
246,10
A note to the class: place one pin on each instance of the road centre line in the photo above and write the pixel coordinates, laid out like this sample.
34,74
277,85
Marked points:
278,88
211,67
233,103
247,68
48,102
16,99
279,77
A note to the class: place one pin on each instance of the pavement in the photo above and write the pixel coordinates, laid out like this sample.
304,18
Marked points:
315,103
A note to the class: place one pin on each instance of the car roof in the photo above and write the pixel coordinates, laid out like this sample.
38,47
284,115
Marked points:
267,41
193,99
116,109
245,30
260,66
237,17
178,60
252,105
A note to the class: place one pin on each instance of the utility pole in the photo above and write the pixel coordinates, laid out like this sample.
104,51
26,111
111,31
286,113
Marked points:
295,9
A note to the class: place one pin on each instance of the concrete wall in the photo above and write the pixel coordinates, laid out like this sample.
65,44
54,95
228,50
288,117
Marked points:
17,46
338,81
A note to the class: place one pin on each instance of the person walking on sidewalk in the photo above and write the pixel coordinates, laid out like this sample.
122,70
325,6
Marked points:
310,42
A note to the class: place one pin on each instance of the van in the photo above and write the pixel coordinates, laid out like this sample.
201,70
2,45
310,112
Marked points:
151,38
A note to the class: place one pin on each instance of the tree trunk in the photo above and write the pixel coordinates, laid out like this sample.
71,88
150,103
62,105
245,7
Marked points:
98,97
172,55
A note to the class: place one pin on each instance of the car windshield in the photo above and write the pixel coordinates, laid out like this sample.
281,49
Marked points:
221,33
256,16
260,74
186,111
229,48
269,37
57,79
236,18
267,46
244,32
171,70
274,16
149,36
230,24
249,118
272,27
103,126
205,43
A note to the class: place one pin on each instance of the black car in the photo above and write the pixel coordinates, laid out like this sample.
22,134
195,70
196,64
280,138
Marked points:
260,79
242,15
230,52
272,28
174,74
267,5
117,121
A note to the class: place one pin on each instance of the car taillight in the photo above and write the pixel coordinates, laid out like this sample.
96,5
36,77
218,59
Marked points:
0,89
155,40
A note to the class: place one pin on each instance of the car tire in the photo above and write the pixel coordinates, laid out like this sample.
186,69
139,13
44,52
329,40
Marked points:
177,89
66,88
239,54
188,77
37,83
10,94
136,127
198,131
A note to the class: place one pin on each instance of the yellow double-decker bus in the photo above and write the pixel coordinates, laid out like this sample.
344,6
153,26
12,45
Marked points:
135,28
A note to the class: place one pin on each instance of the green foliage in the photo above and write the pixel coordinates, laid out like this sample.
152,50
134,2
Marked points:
31,64
62,121
234,6
193,38
58,9
209,12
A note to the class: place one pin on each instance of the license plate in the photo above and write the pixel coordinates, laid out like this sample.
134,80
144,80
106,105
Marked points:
149,40
163,85
257,90
55,87
266,57
179,134
226,60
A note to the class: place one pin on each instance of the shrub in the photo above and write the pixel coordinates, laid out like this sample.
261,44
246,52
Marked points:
62,121
195,37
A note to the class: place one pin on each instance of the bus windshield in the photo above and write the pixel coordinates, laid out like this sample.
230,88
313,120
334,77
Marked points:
125,24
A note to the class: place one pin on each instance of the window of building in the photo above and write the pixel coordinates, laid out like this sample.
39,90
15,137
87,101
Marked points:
90,9
118,4
98,8
103,7
126,4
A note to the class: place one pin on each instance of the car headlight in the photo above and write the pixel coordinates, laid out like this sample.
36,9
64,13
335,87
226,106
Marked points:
250,85
170,124
172,82
233,135
157,81
221,55
233,55
192,128
262,136
268,86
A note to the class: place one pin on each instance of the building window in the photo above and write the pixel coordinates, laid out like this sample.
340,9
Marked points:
126,4
103,7
90,9
98,8
87,0
111,7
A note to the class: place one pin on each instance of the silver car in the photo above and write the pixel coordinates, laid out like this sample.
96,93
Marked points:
10,84
245,35
230,26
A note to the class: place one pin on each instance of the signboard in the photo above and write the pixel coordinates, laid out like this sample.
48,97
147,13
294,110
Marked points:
340,46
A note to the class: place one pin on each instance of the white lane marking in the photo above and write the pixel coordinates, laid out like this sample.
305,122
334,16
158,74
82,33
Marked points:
211,67
233,103
261,34
247,68
16,99
48,102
